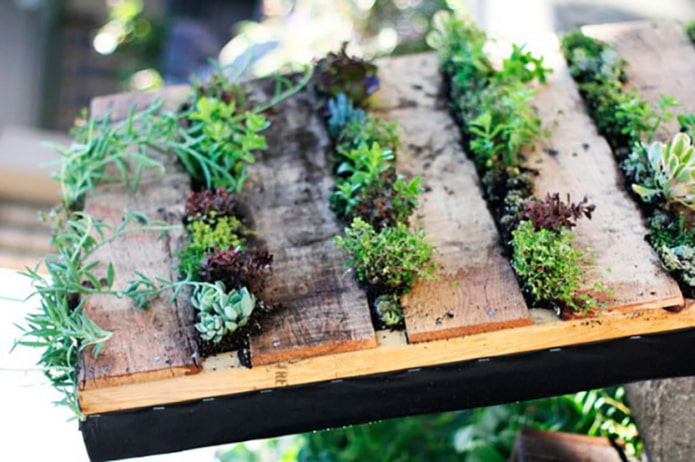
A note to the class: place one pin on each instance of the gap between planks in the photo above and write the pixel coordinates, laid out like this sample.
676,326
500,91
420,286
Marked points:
220,378
475,289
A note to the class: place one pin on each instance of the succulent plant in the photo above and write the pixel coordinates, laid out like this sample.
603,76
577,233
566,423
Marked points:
221,312
341,113
389,309
673,166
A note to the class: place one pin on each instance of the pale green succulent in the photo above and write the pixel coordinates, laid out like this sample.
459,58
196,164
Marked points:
389,309
680,258
673,167
221,312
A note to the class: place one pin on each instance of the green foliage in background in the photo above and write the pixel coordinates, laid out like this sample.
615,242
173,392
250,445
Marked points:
479,435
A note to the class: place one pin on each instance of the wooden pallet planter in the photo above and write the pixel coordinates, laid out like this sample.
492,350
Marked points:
473,311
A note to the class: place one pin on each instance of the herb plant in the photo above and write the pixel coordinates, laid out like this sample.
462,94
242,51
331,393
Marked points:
390,260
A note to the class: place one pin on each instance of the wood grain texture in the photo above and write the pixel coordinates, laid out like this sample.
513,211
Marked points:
660,56
475,289
156,342
220,377
576,160
322,308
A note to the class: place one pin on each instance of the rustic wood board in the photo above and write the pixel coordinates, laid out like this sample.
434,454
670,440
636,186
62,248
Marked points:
220,377
576,160
660,56
157,342
323,310
475,290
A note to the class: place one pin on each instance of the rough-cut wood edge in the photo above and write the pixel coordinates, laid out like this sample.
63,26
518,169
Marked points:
475,289
173,353
575,159
220,378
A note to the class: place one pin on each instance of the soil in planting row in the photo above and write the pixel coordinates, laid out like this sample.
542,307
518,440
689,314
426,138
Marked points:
575,160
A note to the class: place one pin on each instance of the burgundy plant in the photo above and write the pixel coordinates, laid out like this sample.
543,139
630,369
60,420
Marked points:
201,205
341,73
237,268
552,213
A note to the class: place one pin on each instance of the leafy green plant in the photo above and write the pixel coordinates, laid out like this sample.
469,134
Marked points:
673,168
623,117
226,137
361,167
386,202
221,312
551,268
390,260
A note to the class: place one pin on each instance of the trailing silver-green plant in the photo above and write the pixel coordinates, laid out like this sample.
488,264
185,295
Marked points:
60,327
673,168
221,312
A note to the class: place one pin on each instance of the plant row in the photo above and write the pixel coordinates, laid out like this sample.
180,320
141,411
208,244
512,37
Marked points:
377,202
494,109
661,175
212,137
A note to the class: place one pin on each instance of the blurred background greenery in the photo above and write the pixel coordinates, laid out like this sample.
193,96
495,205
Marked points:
478,435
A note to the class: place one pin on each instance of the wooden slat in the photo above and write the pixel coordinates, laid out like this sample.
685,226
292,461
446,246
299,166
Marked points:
576,160
323,309
220,378
156,342
660,56
475,290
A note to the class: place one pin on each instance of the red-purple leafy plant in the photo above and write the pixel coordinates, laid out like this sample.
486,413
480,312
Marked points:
209,204
341,73
237,268
552,213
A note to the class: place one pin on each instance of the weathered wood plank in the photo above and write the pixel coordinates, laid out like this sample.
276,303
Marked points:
220,377
475,290
660,56
157,342
323,310
576,160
